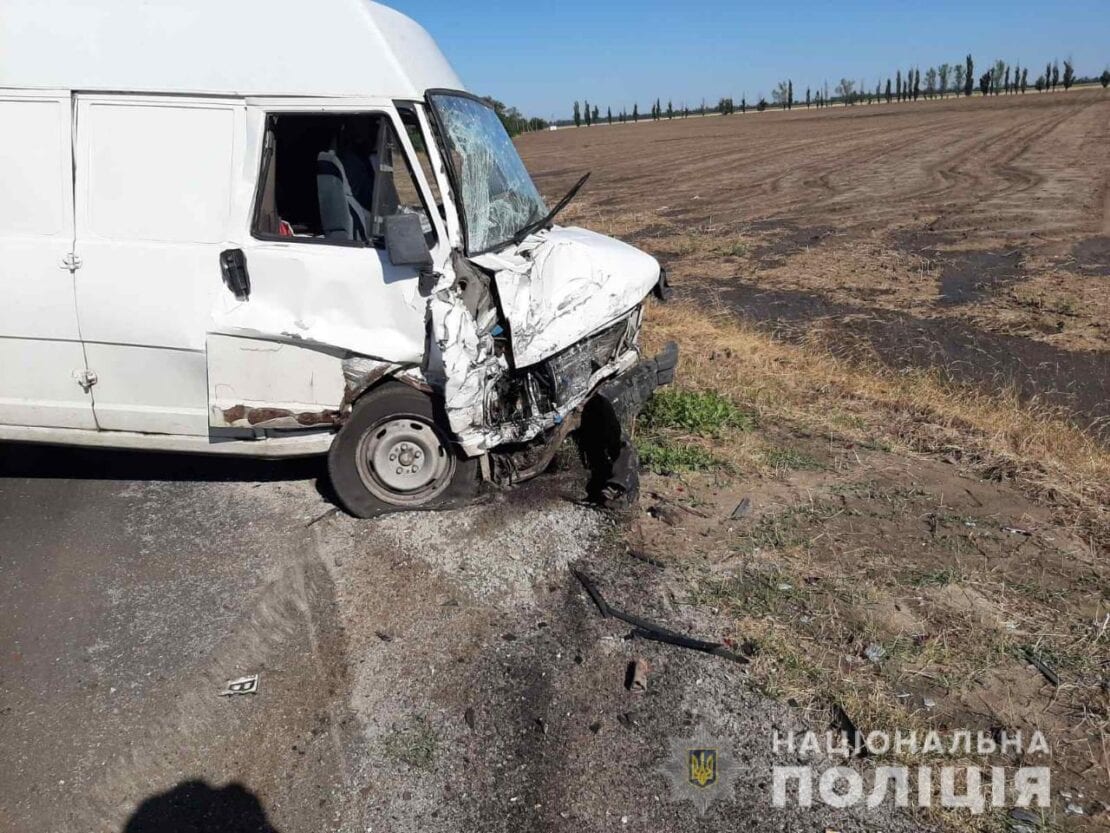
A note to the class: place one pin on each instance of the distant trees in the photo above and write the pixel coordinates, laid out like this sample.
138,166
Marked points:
515,123
985,82
781,94
943,71
588,113
957,77
577,114
1104,79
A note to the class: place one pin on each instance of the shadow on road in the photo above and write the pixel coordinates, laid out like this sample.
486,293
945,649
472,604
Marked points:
196,807
43,461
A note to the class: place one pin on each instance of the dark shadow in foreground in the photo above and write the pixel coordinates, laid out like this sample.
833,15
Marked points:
72,463
196,807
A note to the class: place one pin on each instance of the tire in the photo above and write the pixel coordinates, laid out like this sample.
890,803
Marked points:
393,455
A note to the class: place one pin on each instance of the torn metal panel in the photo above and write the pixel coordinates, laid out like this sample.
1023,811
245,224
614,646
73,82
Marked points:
258,383
560,286
360,374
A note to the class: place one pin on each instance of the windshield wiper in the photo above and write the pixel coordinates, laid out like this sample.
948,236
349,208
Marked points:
547,219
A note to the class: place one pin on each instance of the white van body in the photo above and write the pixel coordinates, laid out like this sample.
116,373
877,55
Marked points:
137,148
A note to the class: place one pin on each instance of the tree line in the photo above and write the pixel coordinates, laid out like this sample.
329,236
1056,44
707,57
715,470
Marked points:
514,122
938,82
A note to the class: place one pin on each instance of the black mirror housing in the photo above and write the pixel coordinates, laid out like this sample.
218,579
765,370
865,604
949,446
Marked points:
405,242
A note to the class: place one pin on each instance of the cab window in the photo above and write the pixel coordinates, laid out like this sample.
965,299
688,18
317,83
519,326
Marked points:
334,179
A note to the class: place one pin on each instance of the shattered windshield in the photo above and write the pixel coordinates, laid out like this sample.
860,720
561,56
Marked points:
498,195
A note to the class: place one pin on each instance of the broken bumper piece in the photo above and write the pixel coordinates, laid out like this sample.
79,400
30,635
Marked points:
607,425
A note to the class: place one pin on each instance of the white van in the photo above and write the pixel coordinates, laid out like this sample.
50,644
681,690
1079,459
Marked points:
277,229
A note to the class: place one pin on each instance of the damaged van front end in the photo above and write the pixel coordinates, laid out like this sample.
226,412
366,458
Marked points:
537,320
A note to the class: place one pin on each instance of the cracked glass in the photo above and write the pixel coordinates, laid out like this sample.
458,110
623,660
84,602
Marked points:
497,193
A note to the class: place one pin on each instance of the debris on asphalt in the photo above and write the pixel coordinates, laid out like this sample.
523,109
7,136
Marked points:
637,676
742,510
1041,666
322,517
243,685
1016,530
383,636
649,630
468,716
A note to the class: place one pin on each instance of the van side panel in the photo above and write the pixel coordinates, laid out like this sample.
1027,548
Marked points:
260,383
155,201
40,341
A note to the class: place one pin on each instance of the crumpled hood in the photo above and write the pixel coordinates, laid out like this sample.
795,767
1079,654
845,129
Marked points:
559,286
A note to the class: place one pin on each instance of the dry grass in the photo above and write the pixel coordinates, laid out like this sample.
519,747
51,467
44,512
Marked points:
806,387
925,588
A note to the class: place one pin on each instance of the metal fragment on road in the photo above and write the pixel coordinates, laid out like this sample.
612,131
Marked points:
637,676
242,685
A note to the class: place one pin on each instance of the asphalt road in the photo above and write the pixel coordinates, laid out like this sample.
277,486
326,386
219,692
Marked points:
422,673
132,587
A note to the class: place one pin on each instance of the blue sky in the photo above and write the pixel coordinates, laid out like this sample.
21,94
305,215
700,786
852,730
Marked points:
541,56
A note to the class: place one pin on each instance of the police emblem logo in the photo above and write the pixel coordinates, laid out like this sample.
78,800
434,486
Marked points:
699,769
703,767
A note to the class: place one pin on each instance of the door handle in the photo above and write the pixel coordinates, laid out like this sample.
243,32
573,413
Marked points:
233,266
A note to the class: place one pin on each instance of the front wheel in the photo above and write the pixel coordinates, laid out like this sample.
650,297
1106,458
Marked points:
393,455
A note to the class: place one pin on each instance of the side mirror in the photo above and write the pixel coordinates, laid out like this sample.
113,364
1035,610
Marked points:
405,242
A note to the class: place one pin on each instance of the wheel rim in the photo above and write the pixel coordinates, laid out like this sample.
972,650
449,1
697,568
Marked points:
403,461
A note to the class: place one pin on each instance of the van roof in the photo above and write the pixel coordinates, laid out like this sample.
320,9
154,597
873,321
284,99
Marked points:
236,47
